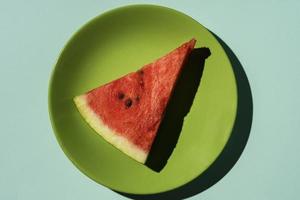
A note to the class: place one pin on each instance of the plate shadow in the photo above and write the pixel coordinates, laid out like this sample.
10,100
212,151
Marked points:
232,150
180,103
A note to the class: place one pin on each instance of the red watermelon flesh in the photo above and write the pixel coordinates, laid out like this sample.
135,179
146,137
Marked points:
127,112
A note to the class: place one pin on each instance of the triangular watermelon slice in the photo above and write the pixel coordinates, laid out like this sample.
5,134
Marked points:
127,112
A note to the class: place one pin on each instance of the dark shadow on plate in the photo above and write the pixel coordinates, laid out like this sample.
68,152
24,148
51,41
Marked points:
180,103
233,149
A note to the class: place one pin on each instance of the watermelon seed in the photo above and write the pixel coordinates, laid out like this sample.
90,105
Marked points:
128,102
121,95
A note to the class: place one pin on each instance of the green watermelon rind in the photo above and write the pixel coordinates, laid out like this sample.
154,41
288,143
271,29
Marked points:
111,136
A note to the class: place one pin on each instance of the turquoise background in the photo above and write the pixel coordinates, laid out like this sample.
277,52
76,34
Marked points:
263,35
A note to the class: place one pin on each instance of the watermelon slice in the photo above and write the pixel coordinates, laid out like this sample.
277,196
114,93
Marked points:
127,112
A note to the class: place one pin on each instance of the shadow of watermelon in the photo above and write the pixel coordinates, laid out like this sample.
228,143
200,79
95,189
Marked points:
184,93
233,149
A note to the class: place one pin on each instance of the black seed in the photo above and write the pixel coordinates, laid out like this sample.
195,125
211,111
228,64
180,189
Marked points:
128,102
121,95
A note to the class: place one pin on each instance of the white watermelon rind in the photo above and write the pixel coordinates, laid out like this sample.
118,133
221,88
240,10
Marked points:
108,134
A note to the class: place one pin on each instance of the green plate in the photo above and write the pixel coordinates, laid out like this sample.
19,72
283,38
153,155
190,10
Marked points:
120,41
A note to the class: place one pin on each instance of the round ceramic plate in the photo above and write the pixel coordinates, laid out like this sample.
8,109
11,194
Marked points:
121,41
